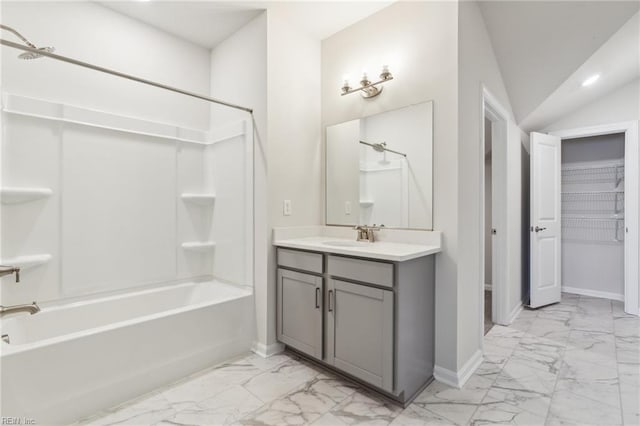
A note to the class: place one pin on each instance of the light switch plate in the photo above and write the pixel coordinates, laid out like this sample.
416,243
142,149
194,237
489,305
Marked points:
286,207
347,207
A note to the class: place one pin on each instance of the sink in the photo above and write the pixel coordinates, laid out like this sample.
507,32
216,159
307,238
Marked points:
345,243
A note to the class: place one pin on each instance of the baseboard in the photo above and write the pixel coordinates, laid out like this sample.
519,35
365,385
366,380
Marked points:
459,378
514,313
488,287
593,293
265,351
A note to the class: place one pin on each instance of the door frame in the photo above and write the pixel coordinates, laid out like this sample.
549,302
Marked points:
493,110
631,205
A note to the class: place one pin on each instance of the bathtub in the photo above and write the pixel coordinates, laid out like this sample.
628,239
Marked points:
75,359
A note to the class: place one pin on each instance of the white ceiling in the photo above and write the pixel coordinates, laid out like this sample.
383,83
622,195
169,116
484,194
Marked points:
617,62
207,23
203,23
540,44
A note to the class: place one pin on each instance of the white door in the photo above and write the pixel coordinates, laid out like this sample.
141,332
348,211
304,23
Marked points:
545,229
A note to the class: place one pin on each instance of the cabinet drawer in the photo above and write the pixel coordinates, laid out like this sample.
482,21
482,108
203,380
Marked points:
366,271
302,260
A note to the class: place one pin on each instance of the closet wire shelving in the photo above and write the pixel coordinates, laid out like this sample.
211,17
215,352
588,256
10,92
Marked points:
593,208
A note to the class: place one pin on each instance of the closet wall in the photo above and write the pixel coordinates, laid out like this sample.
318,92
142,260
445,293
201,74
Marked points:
593,216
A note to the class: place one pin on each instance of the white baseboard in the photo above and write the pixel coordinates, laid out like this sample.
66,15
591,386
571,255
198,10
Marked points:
593,293
488,287
514,313
459,378
265,351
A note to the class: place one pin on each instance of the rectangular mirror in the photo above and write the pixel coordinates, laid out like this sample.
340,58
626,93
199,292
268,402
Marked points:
380,169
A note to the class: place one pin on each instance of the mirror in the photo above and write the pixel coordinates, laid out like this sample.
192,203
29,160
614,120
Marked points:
380,169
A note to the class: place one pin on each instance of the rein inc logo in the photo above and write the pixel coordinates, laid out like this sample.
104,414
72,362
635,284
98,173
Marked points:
17,421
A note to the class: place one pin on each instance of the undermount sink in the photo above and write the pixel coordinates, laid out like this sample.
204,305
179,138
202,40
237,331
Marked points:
344,243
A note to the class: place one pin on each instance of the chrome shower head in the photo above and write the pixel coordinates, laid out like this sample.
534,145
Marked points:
33,55
380,147
27,55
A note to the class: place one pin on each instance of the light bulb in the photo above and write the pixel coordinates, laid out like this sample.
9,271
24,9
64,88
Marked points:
589,81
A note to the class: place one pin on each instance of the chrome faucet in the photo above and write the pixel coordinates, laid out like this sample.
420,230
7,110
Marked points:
32,309
7,270
366,233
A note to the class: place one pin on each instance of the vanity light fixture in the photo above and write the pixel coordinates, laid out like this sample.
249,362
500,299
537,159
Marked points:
368,88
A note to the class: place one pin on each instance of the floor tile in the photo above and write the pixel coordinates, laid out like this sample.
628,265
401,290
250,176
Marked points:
592,341
303,405
606,391
143,412
539,352
595,304
574,408
597,321
627,327
280,380
416,416
365,408
328,419
501,413
630,402
224,409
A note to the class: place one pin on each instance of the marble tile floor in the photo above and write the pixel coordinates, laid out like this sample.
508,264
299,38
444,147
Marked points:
572,363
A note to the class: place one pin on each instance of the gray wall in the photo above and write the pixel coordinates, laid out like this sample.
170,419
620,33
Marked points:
594,148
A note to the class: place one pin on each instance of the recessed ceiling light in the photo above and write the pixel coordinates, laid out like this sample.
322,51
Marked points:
590,80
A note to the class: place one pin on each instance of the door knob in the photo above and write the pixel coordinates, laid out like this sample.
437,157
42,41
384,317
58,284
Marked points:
538,228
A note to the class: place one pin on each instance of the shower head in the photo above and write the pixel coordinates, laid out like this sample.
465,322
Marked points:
380,147
28,55
33,55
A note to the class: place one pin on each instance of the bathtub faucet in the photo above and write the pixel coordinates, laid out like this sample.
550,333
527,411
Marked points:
6,270
32,309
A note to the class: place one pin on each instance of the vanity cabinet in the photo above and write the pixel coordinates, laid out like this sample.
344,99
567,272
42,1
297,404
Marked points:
372,320
300,311
360,332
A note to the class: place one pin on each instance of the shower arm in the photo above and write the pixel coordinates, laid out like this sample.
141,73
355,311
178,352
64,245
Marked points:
20,36
113,72
378,147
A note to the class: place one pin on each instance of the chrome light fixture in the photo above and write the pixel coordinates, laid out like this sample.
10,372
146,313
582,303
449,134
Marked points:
367,88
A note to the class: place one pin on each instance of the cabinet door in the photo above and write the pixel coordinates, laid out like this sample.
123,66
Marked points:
300,311
360,332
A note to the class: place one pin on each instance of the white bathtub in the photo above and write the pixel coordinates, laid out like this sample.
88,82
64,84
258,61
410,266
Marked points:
70,361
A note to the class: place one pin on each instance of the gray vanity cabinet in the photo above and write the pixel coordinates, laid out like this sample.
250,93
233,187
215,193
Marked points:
300,311
360,332
370,319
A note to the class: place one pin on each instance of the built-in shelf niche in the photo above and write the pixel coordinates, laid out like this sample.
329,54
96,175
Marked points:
15,195
201,246
202,199
26,262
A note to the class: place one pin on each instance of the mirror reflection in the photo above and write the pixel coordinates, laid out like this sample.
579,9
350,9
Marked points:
380,169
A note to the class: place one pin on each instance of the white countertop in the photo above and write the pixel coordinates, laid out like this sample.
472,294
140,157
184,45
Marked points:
397,252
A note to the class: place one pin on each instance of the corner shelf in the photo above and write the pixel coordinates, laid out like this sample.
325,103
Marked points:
26,262
366,203
201,246
14,195
202,199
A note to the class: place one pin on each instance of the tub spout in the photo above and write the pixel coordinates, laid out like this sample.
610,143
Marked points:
32,309
6,270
